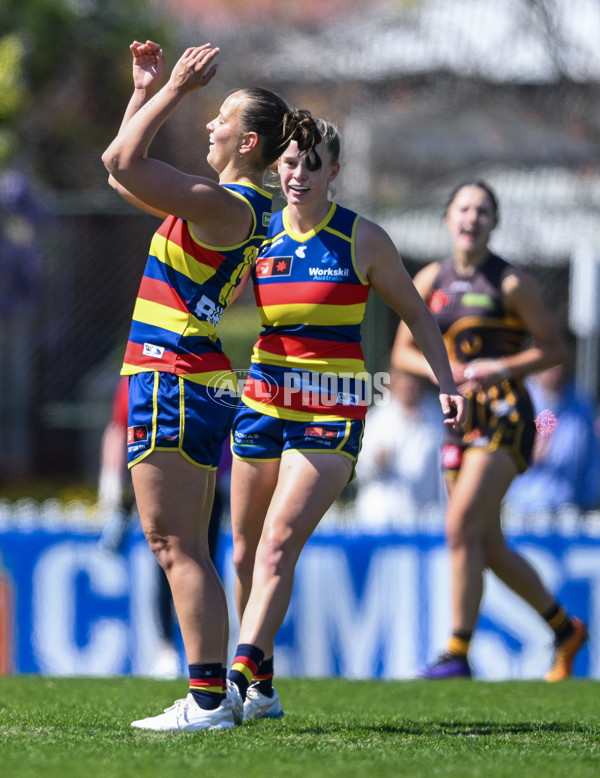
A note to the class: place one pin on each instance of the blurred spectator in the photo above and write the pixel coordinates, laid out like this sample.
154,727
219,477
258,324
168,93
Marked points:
399,471
565,470
23,219
21,215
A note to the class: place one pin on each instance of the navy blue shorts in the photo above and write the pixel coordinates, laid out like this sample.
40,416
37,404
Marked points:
257,437
168,413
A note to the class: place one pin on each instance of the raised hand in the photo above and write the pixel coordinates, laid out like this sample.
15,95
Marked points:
148,65
195,68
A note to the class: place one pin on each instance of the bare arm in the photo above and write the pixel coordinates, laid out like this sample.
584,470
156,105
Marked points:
160,186
148,77
379,262
406,354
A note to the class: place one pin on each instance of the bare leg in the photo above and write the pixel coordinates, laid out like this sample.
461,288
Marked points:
473,508
174,499
476,539
515,571
254,484
307,486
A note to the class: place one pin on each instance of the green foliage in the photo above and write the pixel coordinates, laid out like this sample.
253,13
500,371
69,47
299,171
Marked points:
238,331
69,80
12,96
66,728
11,63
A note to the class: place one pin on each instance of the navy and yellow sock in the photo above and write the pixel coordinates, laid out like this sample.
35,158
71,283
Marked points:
263,678
244,666
559,622
459,643
206,685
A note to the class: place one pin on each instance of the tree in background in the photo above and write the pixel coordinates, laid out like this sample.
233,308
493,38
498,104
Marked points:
64,78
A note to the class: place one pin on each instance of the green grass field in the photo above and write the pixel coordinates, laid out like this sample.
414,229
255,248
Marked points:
65,727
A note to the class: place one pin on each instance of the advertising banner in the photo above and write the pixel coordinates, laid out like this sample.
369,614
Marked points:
364,606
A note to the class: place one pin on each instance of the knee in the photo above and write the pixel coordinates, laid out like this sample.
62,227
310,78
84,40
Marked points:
462,531
275,556
160,547
243,561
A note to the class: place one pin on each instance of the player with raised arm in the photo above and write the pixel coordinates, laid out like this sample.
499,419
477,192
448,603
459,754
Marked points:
208,239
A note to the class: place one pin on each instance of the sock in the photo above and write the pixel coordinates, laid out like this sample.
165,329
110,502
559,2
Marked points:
206,685
559,622
244,666
263,678
459,643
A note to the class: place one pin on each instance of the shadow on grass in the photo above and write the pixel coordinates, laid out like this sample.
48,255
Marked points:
472,729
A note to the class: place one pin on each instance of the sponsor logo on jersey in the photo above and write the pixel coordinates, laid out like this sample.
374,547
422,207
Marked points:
137,434
328,272
208,310
266,219
346,398
474,300
460,286
267,267
156,352
438,301
329,259
321,432
470,345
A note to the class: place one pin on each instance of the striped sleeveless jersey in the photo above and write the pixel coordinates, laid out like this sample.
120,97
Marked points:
185,288
475,324
308,362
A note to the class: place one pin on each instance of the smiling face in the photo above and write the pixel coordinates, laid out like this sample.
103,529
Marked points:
301,186
225,133
470,218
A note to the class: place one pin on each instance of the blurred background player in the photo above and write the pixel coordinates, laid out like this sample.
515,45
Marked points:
497,330
297,432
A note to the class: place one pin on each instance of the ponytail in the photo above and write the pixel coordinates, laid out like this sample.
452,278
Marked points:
276,125
300,126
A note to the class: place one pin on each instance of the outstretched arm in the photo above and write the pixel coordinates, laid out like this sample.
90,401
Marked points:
380,263
158,185
148,77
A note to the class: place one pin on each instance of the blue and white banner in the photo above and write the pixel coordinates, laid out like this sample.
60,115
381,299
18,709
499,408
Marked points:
364,606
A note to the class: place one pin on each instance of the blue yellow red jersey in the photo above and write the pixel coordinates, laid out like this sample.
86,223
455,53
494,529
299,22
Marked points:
185,288
308,361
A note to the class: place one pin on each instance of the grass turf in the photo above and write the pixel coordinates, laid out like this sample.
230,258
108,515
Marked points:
66,727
